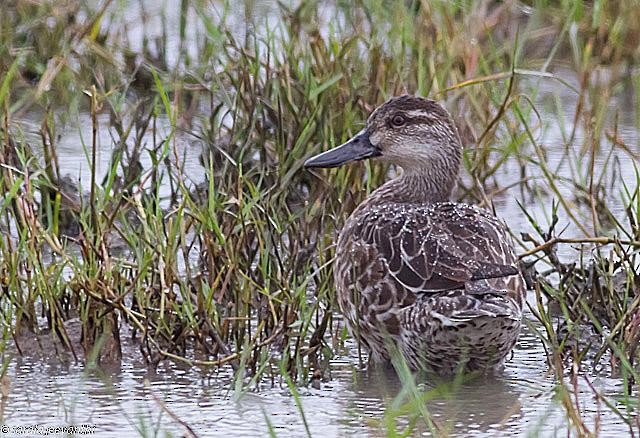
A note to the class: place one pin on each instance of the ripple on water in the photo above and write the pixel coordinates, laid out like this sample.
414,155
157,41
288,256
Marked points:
517,401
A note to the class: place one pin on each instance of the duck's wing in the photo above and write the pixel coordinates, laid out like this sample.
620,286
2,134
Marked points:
437,248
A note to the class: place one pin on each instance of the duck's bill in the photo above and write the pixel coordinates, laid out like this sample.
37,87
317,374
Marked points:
358,148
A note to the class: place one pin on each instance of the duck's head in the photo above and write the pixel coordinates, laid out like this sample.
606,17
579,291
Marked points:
412,132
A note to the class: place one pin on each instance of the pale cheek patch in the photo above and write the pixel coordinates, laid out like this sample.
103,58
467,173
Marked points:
375,138
411,151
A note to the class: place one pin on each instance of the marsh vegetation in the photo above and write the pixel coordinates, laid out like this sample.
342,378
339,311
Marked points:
156,211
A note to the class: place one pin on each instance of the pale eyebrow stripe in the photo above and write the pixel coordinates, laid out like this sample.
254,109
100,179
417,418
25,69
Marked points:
416,113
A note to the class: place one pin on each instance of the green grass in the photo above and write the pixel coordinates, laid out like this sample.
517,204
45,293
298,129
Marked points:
227,272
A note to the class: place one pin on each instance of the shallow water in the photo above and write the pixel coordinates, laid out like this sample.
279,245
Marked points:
517,402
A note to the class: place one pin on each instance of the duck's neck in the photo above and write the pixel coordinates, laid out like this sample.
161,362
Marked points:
424,187
411,188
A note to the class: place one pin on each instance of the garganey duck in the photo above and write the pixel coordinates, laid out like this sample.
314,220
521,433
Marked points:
433,279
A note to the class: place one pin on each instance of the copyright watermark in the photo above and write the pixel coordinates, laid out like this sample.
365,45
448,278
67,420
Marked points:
47,430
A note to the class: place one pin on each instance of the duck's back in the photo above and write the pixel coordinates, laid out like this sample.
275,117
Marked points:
406,268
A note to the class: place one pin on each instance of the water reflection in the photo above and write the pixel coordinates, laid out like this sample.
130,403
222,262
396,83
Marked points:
483,404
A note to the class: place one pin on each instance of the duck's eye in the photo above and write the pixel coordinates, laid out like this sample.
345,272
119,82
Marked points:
397,120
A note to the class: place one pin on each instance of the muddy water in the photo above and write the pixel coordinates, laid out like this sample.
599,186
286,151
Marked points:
519,401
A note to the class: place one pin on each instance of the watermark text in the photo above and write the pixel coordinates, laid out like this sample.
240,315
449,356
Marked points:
47,430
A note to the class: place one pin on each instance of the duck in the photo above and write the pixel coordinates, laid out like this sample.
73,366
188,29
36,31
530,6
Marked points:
417,276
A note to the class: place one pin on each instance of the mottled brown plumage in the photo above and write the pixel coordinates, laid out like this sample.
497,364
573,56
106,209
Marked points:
435,279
